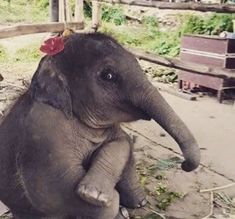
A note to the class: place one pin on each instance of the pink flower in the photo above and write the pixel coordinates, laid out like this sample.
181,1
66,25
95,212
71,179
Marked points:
53,45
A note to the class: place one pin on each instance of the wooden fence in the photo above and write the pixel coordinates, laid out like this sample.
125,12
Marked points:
183,65
60,18
38,28
196,6
173,62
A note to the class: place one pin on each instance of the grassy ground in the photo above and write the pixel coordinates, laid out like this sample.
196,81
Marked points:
29,53
15,11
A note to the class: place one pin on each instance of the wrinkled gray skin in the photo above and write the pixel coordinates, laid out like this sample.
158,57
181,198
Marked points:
63,153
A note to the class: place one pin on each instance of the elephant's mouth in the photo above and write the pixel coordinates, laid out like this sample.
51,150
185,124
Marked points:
135,113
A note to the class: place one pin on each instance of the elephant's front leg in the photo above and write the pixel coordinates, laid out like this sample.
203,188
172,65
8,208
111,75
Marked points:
131,192
107,166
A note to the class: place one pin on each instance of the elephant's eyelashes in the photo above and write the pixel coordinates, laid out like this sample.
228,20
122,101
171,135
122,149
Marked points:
108,75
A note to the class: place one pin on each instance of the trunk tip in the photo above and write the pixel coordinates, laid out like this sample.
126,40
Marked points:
189,166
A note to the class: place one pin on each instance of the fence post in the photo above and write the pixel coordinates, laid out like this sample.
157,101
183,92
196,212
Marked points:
79,11
96,14
54,10
62,13
68,11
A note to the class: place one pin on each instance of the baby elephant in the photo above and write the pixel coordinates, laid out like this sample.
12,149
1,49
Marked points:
63,153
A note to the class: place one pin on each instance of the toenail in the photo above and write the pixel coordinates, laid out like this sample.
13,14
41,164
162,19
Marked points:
124,213
142,204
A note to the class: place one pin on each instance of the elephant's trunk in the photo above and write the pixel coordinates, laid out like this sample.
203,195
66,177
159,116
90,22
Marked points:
151,102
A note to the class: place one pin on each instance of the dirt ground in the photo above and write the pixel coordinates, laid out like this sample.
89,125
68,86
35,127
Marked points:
212,124
171,192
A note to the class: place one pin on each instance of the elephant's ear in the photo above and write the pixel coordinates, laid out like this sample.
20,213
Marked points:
50,86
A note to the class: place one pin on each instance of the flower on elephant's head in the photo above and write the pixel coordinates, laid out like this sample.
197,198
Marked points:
53,45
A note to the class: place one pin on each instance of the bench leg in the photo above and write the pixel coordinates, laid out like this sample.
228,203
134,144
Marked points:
180,84
220,95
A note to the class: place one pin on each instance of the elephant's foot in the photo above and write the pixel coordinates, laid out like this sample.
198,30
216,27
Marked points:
142,203
134,203
133,198
94,195
98,194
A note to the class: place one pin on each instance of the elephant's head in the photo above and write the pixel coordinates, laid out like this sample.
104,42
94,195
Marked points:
99,82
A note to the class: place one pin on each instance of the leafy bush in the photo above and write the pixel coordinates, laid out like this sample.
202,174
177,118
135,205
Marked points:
220,22
149,38
150,22
113,14
211,25
167,43
193,24
88,9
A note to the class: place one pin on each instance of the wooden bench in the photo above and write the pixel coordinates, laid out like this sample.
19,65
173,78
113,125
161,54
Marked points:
211,51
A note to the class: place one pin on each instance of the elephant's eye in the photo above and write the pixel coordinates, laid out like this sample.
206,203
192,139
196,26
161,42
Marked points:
108,75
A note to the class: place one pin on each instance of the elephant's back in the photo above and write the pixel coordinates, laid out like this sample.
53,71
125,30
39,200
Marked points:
11,134
11,129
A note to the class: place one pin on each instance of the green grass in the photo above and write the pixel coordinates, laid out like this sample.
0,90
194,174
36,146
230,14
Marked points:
165,197
149,37
15,11
31,53
210,25
167,43
27,54
113,14
162,43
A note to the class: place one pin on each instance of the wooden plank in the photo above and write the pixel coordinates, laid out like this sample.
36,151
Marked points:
37,28
203,80
68,11
54,10
62,11
183,65
219,8
79,11
204,60
96,14
213,44
185,96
